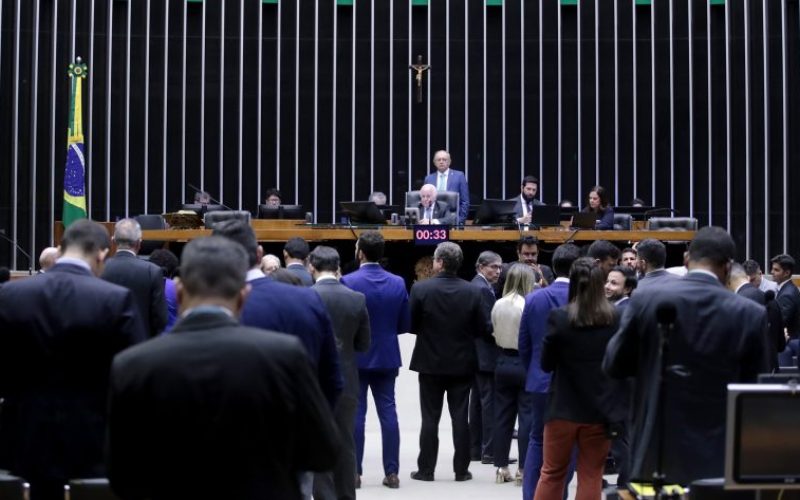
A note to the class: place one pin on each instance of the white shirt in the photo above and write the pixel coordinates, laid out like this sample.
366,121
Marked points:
506,316
767,285
254,274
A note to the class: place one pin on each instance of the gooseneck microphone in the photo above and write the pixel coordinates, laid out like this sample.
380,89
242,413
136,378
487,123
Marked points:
19,249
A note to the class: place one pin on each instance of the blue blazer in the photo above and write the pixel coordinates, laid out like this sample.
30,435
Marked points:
298,311
387,304
458,183
532,329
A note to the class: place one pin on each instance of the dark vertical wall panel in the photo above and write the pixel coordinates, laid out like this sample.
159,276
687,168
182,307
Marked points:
335,115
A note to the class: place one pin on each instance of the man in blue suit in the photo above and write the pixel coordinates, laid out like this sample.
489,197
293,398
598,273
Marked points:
532,329
387,304
447,179
295,310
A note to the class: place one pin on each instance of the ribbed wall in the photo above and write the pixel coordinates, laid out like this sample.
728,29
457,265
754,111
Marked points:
682,103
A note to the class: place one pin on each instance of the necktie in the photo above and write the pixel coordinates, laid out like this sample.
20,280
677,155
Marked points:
442,183
530,208
428,214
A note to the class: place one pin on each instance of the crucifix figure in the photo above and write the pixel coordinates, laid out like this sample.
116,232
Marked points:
420,68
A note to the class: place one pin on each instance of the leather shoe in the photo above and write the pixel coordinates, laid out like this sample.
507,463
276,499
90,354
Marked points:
464,477
391,481
421,476
487,459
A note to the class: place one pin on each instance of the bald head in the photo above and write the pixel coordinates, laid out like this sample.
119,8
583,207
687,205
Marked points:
48,257
441,160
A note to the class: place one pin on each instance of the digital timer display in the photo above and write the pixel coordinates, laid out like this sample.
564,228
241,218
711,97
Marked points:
431,235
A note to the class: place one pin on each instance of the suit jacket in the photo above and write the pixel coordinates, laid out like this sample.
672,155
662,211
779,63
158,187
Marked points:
718,338
387,303
301,272
456,181
447,316
298,311
441,212
146,281
532,329
348,312
518,207
788,298
59,331
580,391
216,410
657,278
751,292
485,346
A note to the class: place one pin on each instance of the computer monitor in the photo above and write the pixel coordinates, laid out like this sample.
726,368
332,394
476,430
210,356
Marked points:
202,208
546,216
496,212
388,210
762,445
281,212
362,212
568,212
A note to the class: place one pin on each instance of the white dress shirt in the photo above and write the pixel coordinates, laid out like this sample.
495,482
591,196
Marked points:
506,315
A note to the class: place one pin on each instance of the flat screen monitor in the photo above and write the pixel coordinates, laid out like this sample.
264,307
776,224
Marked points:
568,212
546,215
281,212
496,212
388,210
362,212
762,445
201,208
584,220
778,378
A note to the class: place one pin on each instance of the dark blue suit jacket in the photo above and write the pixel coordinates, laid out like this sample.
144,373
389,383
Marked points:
59,332
485,346
718,338
788,298
387,303
298,311
456,181
532,329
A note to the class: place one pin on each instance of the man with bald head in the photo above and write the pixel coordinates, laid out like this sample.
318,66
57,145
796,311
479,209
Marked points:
447,179
144,279
48,258
432,211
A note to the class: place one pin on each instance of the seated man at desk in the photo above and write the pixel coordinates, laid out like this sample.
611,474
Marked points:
273,198
432,211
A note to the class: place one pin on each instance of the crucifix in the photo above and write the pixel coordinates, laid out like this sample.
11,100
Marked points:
420,68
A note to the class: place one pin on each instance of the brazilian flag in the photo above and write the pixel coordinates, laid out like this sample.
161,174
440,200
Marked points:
74,184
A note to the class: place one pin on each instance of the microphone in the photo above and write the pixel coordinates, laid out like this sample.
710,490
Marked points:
19,249
226,207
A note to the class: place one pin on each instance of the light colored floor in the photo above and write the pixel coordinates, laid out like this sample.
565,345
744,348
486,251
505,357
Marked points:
482,486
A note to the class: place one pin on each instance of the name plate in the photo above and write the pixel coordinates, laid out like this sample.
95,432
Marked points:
430,235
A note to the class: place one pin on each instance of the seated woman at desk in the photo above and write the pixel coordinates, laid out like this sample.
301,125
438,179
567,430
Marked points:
598,203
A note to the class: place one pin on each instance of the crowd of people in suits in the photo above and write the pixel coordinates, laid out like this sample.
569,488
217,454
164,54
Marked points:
254,377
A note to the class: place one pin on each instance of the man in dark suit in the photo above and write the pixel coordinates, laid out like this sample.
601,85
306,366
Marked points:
739,283
528,254
481,407
144,279
605,254
620,283
348,312
59,331
447,179
527,199
788,299
447,316
651,255
432,211
716,338
295,252
214,409
387,303
532,329
293,310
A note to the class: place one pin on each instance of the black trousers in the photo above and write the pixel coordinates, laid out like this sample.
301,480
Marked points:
481,415
432,389
340,483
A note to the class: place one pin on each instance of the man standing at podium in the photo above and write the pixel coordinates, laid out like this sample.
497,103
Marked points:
447,179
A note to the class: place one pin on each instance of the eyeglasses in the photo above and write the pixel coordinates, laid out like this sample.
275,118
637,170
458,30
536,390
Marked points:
495,266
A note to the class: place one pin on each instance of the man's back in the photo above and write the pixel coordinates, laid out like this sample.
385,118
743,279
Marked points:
58,334
387,303
298,311
657,278
215,410
718,338
146,282
532,329
447,317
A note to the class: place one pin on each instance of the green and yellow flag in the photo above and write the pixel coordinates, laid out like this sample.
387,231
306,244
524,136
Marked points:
74,182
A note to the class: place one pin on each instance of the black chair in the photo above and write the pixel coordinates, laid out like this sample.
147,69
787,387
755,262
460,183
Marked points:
451,197
623,222
150,221
89,489
213,218
13,487
672,224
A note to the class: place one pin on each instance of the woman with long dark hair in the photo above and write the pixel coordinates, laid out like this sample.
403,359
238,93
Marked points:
599,205
583,401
